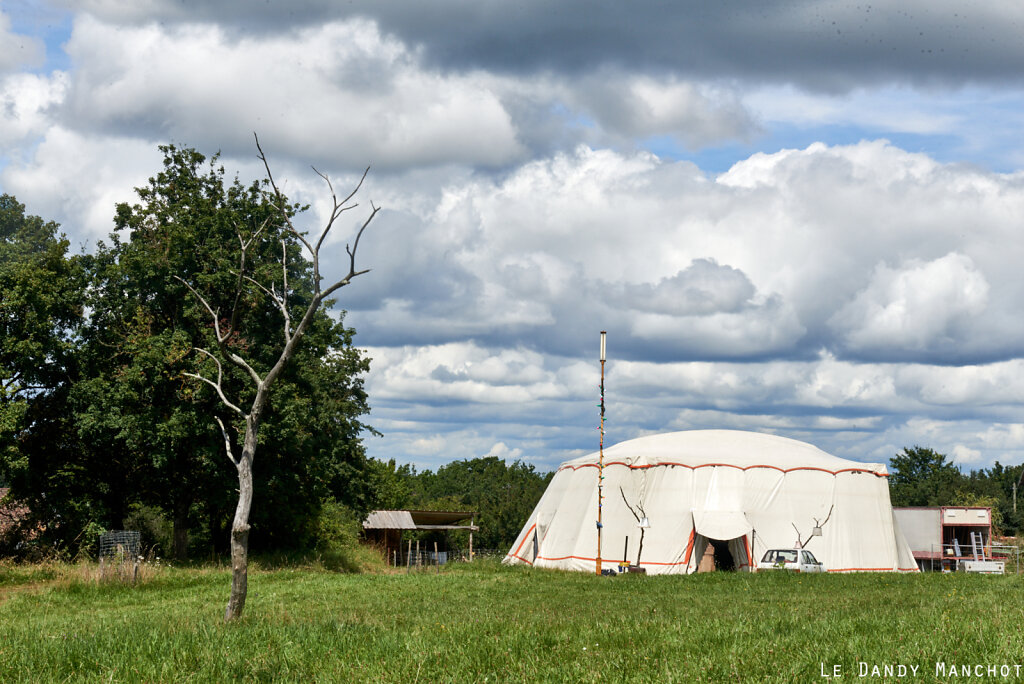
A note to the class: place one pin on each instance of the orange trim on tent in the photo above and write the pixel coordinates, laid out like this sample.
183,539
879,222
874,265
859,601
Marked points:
685,562
512,555
608,560
689,551
689,546
746,546
725,465
914,569
583,558
525,537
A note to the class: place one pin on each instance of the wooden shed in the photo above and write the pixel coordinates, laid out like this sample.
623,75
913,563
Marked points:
384,529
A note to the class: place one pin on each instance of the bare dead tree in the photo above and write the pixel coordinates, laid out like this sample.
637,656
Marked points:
799,543
643,514
818,524
292,334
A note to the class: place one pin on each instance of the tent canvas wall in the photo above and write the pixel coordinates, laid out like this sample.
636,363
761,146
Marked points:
750,490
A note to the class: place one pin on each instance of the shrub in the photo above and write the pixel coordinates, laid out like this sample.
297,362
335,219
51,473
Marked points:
337,545
155,531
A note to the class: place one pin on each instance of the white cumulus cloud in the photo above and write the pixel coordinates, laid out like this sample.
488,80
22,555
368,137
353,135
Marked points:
917,306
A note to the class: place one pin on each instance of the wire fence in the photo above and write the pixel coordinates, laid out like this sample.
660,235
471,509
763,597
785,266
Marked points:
412,558
120,555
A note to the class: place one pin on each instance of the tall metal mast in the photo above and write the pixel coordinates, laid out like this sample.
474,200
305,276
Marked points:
600,463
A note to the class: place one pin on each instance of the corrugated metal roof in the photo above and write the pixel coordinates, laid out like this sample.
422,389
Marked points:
389,520
412,520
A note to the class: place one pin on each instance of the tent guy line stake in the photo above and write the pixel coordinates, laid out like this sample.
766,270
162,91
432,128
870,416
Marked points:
600,466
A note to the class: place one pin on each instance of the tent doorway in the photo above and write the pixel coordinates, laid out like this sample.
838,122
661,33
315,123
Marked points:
723,557
726,555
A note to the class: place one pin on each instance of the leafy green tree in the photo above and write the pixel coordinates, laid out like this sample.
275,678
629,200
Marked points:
41,309
994,487
146,425
137,419
923,477
503,495
390,485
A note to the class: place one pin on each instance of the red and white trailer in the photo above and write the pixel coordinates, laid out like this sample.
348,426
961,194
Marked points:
949,538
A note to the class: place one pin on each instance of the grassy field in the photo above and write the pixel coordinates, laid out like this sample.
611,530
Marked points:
487,623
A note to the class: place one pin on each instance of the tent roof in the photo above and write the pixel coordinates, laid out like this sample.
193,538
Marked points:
734,448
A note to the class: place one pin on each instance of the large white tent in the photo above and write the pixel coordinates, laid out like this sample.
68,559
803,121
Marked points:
747,491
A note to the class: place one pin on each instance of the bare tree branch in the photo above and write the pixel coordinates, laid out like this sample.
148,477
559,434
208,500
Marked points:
355,246
206,305
244,244
281,303
279,202
284,293
216,385
628,506
227,440
822,524
338,208
223,338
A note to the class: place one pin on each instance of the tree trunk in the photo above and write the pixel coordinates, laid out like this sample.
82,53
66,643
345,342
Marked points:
180,530
240,529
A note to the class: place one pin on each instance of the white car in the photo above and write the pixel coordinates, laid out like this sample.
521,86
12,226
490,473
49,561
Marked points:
798,560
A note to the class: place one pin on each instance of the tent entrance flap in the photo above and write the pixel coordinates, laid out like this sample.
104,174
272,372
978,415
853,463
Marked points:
723,525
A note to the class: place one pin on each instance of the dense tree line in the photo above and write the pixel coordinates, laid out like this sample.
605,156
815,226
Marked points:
923,477
502,495
100,425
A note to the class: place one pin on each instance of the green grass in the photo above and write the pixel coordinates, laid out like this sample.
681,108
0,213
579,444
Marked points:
487,623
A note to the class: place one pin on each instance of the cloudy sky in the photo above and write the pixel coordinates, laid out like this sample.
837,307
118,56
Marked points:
798,217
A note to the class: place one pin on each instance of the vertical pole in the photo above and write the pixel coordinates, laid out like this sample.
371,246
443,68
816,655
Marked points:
600,463
437,559
408,557
418,559
471,540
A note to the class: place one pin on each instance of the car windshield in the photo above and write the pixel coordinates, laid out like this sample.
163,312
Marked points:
809,558
779,556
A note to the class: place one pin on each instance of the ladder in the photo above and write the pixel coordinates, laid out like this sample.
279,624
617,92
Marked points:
978,545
